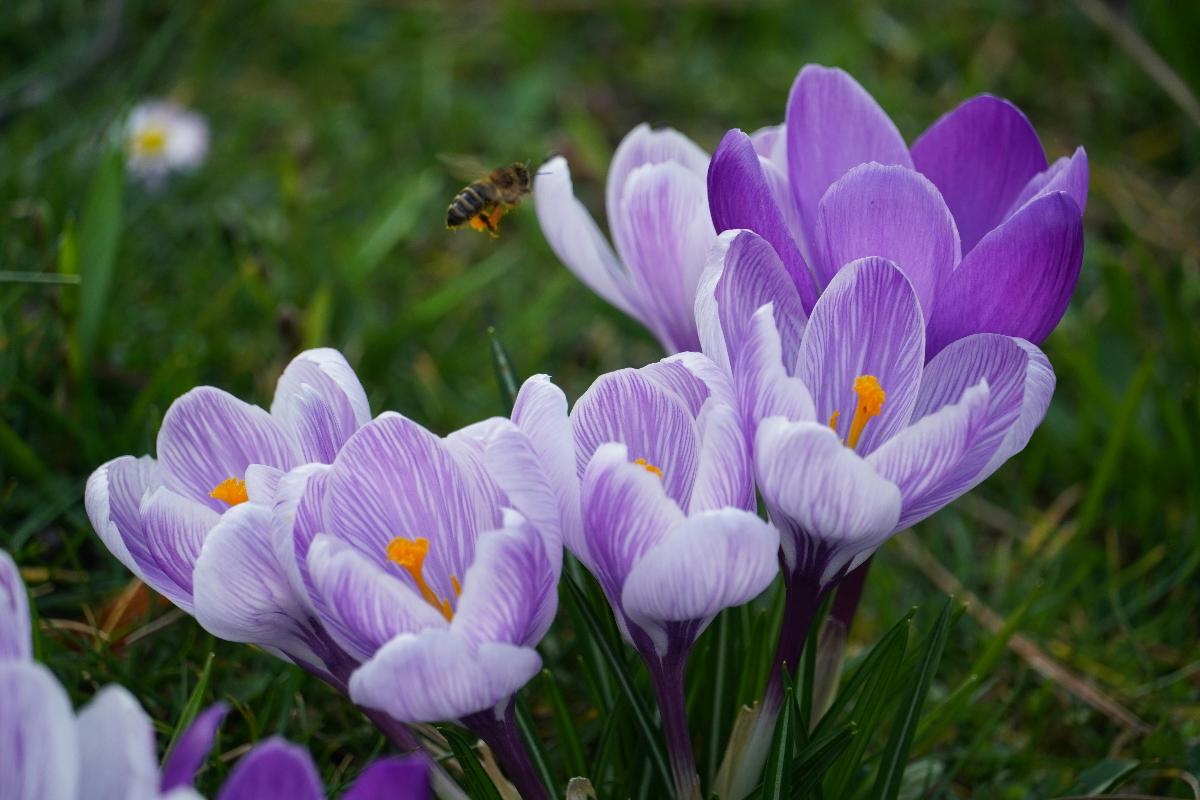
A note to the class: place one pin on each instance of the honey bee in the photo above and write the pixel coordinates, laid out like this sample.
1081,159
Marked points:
484,202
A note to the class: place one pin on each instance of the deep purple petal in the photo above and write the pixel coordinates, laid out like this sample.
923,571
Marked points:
209,436
274,770
392,779
833,125
435,676
712,561
176,528
116,748
192,748
39,746
16,637
891,212
1067,174
655,424
362,606
396,479
625,512
576,239
320,401
829,504
868,322
1018,280
740,196
113,499
980,155
665,232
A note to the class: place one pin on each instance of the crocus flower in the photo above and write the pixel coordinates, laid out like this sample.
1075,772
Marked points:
47,752
855,436
659,221
989,235
184,523
404,550
162,137
658,464
278,770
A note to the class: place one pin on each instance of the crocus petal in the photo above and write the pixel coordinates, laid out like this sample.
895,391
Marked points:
626,511
1018,280
16,638
363,606
113,499
392,779
921,458
296,519
510,593
39,747
640,147
833,125
1067,174
740,196
320,400
724,476
867,322
980,155
436,675
274,769
655,425
770,142
209,436
891,212
829,503
192,748
693,378
664,233
262,482
764,387
175,530
576,239
116,748
242,593
712,561
531,490
394,478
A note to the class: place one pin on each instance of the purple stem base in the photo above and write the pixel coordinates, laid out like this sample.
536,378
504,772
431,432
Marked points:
667,677
504,739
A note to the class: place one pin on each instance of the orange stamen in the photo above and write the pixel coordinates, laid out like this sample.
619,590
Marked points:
410,554
231,491
646,465
870,405
833,420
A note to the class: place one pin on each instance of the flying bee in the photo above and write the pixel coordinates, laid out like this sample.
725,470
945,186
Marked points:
484,202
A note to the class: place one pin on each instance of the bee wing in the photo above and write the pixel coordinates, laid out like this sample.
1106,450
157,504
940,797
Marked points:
464,167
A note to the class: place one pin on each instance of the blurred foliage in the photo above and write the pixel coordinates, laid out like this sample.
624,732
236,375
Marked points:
319,220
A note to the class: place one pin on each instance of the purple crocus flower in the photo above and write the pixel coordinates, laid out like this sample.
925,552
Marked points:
47,752
649,479
989,235
659,220
184,523
855,436
404,551
278,770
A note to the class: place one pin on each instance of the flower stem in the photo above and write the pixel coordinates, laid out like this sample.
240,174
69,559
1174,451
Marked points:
503,737
667,677
849,594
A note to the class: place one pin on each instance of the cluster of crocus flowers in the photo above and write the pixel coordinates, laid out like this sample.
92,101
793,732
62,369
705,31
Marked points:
162,137
107,750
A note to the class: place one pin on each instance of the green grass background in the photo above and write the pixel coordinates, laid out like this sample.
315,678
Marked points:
318,220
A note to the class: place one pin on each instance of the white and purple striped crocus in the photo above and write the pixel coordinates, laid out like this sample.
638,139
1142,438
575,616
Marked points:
405,551
659,220
186,522
988,233
855,436
649,478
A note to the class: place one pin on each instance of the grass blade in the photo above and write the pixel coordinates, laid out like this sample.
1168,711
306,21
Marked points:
533,743
777,776
811,764
475,778
99,232
565,726
192,707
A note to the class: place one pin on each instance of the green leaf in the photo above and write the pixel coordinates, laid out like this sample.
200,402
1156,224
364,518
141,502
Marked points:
192,707
1102,776
475,778
99,232
870,665
506,376
641,714
811,763
568,736
777,776
895,753
533,743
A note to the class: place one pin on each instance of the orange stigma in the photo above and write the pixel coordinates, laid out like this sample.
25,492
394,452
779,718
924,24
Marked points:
410,554
833,420
646,465
870,405
231,491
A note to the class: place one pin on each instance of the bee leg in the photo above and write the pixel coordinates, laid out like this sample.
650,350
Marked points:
493,220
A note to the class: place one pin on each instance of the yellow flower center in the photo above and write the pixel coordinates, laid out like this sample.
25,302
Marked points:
231,491
410,554
870,405
646,465
151,141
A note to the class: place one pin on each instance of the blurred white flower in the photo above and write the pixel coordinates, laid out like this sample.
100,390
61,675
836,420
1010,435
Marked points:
162,137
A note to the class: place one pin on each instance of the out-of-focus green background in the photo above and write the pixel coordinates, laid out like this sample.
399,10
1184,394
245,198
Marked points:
318,220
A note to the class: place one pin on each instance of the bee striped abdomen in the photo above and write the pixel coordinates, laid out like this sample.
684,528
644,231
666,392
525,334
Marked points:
470,202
